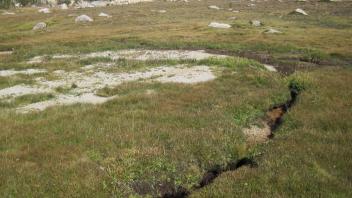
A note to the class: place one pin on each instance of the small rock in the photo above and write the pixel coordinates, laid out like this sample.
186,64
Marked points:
236,11
40,26
232,18
84,4
44,10
270,68
300,11
256,23
272,31
83,19
214,7
162,11
219,25
100,3
102,14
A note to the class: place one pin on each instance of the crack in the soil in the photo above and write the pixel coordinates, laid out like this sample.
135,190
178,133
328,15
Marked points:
274,120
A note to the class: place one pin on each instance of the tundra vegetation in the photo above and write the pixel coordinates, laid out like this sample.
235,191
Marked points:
154,136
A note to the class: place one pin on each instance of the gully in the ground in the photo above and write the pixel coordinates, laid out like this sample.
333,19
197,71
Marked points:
273,120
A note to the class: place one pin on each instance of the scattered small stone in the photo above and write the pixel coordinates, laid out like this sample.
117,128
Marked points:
83,19
214,7
256,23
300,11
39,26
219,25
44,10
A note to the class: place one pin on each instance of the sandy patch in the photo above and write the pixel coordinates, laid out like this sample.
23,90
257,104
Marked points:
11,72
140,55
36,60
3,53
20,90
256,134
81,86
88,98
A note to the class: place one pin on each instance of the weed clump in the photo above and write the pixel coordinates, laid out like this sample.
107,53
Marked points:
299,81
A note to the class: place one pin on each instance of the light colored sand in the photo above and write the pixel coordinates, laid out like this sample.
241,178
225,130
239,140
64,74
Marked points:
81,86
6,53
20,90
12,72
62,99
257,134
36,60
89,81
140,55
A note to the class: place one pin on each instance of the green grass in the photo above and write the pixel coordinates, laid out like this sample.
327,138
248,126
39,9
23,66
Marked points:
309,153
156,134
26,99
135,138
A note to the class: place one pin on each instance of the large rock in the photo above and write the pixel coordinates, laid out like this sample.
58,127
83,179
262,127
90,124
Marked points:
219,25
40,26
83,19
